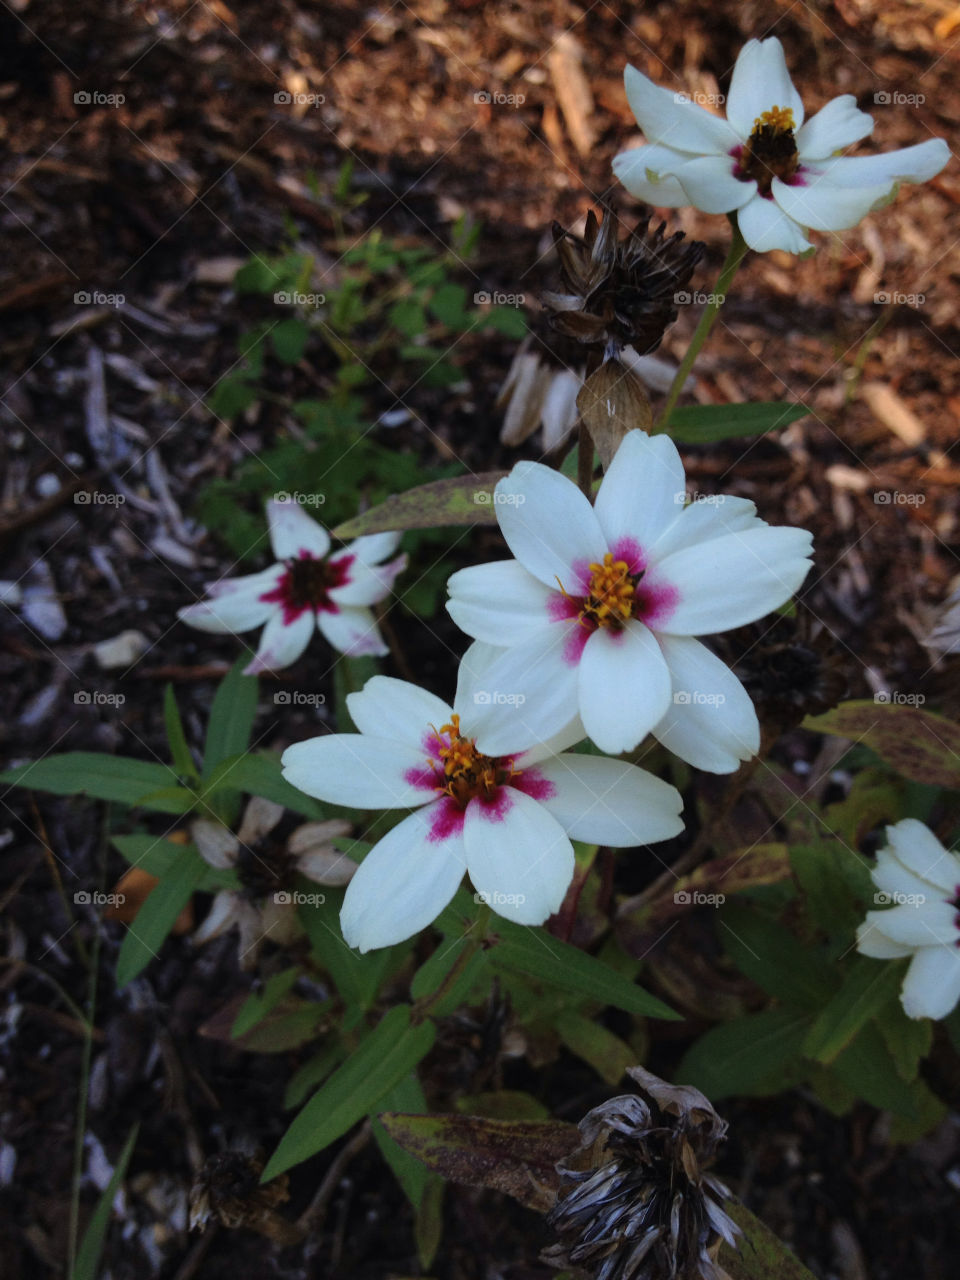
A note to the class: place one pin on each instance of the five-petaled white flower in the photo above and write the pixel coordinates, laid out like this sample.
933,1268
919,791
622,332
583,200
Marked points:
506,819
917,873
596,615
308,588
780,174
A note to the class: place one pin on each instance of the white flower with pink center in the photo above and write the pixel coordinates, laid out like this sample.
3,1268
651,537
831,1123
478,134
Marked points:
507,819
596,617
309,588
779,174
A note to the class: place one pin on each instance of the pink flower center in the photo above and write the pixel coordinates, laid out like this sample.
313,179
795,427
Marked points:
306,583
770,152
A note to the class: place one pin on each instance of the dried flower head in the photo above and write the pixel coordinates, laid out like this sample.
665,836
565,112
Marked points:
641,1206
618,293
227,1189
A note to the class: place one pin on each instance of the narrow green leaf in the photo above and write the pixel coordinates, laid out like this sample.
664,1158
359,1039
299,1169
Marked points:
605,1052
538,954
231,717
87,1263
259,1003
357,977
176,738
909,1040
752,1056
707,423
313,1072
91,773
918,744
868,1070
867,987
152,854
773,958
157,916
388,1054
407,1095
459,500
258,774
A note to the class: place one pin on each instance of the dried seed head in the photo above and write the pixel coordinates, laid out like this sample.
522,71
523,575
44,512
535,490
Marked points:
617,293
640,1205
228,1190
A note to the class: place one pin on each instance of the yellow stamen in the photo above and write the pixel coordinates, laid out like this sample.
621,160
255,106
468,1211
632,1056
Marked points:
780,119
468,772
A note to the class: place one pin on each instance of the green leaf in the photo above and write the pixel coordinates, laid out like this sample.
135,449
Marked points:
868,1070
753,1056
510,321
157,916
407,317
707,423
150,853
407,1095
458,500
313,1072
289,339
503,1104
388,1054
761,1254
228,731
91,773
176,738
773,958
432,973
835,882
538,954
908,1039
867,987
605,1052
87,1263
258,774
918,744
448,304
259,1003
357,977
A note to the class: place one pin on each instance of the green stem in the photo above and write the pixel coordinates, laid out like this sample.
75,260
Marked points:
478,936
735,256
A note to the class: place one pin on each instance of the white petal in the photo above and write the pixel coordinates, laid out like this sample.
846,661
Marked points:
292,531
705,519
896,881
327,866
624,686
548,524
665,117
216,844
561,741
918,926
402,885
259,819
373,548
655,373
760,82
644,171
533,693
395,709
353,631
610,802
735,579
642,493
359,772
931,988
765,226
310,836
281,643
560,413
824,206
234,604
835,127
499,602
710,184
711,722
366,584
518,856
875,944
918,163
915,845
222,914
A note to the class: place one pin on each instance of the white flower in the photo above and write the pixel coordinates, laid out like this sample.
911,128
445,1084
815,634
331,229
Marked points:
507,819
917,873
597,614
264,907
780,174
308,588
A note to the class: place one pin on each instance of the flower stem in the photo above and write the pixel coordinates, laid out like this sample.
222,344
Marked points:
426,1004
735,256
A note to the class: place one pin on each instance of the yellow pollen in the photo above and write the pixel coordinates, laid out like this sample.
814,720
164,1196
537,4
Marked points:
780,119
611,593
468,772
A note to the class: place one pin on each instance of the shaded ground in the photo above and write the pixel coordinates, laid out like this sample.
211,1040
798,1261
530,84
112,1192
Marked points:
199,163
